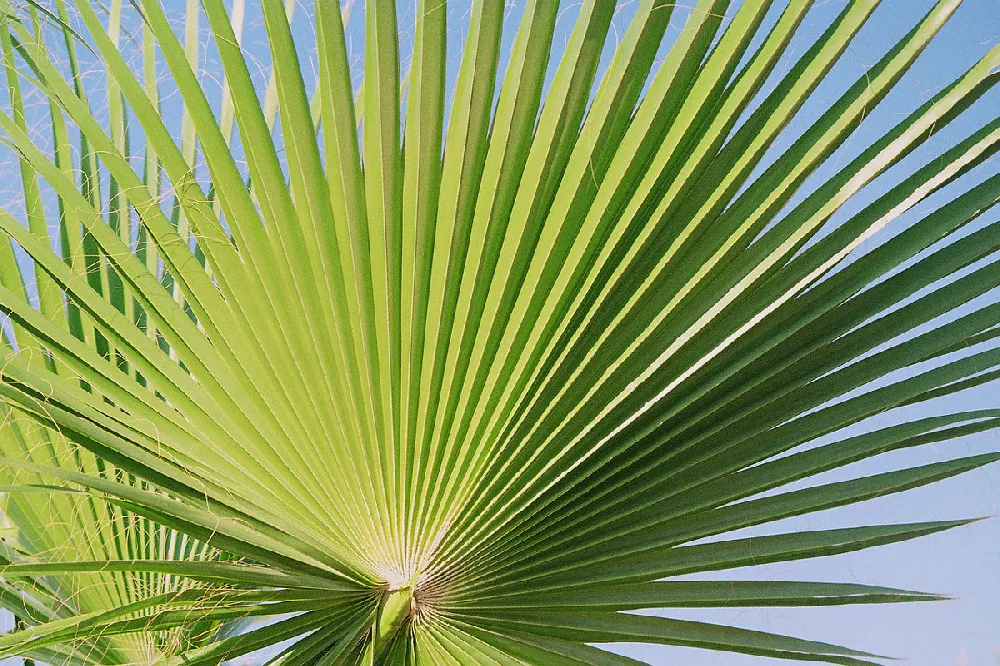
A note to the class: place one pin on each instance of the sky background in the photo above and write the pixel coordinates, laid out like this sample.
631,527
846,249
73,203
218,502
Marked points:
964,562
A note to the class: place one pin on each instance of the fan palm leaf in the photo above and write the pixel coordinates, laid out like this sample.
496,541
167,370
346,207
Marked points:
463,371
56,530
53,533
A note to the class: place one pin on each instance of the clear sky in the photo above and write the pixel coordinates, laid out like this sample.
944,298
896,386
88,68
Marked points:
964,562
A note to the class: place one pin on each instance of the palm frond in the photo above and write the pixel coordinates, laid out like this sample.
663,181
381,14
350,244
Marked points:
465,371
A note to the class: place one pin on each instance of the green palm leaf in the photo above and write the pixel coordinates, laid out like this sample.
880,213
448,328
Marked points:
464,371
60,526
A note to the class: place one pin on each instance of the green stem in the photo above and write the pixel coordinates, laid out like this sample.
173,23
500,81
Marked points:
395,608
